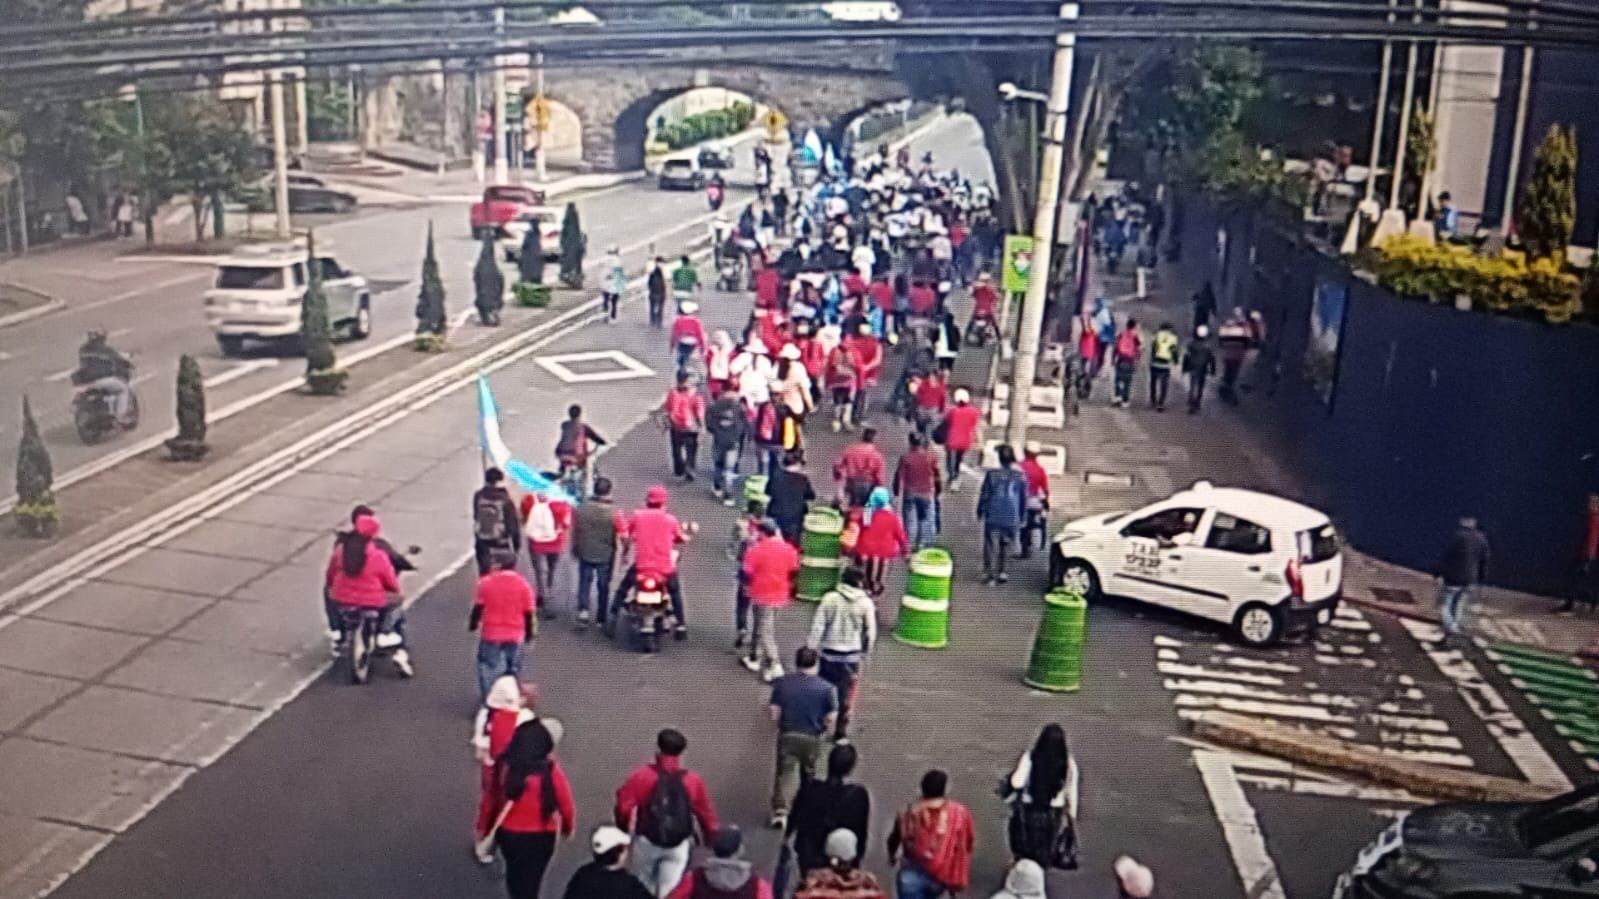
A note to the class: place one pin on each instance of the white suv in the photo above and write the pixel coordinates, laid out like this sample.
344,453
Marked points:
1264,565
257,294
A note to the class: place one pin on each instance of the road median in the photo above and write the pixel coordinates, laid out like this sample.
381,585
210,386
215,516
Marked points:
1332,754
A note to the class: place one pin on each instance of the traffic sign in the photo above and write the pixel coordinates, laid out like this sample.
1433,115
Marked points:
776,123
1018,262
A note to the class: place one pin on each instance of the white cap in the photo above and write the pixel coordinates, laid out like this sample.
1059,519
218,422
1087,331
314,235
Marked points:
1201,332
688,307
962,395
789,351
842,845
607,838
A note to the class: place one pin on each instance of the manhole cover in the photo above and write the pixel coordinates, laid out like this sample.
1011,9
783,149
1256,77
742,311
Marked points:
1107,479
1393,596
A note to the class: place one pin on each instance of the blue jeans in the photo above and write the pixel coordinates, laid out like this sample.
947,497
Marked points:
1452,599
911,883
598,574
1124,382
921,520
724,465
495,660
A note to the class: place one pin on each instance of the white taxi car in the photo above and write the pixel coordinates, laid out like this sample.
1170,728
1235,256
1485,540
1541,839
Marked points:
1264,565
258,289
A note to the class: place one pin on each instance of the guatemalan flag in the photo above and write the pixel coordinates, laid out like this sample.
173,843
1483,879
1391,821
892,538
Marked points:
496,453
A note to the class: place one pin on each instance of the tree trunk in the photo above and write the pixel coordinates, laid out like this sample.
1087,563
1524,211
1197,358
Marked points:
197,204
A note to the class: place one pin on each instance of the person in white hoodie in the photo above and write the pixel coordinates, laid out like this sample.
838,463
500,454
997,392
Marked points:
843,630
1024,880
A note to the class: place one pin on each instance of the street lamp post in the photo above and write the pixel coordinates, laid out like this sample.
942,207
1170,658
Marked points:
502,168
1037,297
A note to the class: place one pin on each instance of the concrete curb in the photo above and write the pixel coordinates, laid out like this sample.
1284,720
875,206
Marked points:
1436,781
17,318
1423,613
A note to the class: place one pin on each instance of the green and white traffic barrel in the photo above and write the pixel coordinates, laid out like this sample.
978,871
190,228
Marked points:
924,610
821,556
1056,663
755,491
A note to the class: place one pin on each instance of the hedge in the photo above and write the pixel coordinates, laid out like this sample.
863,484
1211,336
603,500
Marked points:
1504,284
704,126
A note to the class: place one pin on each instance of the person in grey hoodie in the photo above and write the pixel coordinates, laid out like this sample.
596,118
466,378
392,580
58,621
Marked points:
725,875
1024,880
843,630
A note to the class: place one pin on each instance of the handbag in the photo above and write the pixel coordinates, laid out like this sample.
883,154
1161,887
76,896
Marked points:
1063,852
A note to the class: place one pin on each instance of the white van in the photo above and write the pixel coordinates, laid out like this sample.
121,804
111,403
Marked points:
1263,565
257,294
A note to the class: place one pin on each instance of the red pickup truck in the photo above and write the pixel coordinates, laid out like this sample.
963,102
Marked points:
502,203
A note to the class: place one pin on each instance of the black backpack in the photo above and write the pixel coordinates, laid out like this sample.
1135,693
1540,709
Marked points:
666,818
489,520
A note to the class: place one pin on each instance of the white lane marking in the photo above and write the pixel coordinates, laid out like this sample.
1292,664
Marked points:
239,371
1181,670
60,375
1485,702
1271,709
622,367
1329,790
1245,842
141,291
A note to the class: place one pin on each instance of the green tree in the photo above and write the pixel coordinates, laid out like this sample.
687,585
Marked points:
430,315
573,244
190,444
488,283
36,510
322,375
1421,148
530,259
1548,208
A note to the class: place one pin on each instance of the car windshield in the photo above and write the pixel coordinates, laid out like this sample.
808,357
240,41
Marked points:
1560,819
507,194
679,167
1318,545
249,277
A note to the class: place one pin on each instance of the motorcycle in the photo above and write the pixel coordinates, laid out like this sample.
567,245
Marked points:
730,273
93,416
370,633
642,619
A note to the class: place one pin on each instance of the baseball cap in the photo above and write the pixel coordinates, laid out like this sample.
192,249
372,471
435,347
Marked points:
607,838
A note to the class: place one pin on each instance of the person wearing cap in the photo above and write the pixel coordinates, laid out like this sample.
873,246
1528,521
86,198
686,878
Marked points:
606,876
985,308
959,434
1024,880
684,409
768,573
1037,520
1199,363
654,534
1133,880
687,336
842,878
791,384
726,874
752,374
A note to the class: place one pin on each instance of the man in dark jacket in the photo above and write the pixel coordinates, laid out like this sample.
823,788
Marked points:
656,285
789,495
595,529
1001,507
496,526
728,426
1199,363
1464,565
607,877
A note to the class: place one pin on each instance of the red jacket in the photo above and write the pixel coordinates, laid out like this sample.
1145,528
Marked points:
561,512
812,355
370,588
766,287
870,353
854,285
769,568
962,424
528,814
635,792
861,462
932,393
837,378
985,301
1037,478
883,295
685,409
922,299
883,537
689,328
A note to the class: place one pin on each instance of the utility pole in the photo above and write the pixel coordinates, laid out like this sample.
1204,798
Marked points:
280,156
1404,122
1517,136
1424,198
502,170
1037,298
540,116
302,125
1381,111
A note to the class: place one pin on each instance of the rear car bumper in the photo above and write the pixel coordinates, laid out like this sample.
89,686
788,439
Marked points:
255,325
1302,616
680,183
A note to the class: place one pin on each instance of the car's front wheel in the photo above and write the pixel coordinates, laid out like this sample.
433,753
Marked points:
1079,577
361,326
1258,624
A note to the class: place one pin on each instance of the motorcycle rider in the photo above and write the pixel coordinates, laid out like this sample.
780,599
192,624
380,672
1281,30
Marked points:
654,535
102,368
715,189
577,442
392,633
360,575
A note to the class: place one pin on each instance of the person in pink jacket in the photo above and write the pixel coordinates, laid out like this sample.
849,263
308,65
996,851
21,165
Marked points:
360,574
882,538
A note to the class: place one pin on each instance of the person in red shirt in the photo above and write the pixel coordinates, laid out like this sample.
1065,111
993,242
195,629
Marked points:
503,710
687,336
922,299
361,575
935,837
843,382
882,293
854,285
545,523
654,535
860,469
503,611
538,807
685,418
985,310
767,286
1128,350
659,859
932,398
960,427
1037,500
882,538
769,568
870,352
918,483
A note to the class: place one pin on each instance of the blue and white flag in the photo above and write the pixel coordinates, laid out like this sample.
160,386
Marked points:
496,453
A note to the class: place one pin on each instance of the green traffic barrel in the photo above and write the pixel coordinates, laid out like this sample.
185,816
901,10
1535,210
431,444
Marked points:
755,490
924,610
931,572
816,577
1056,663
819,539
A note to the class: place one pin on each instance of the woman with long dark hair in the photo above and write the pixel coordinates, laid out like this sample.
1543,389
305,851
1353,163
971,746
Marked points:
538,805
1042,791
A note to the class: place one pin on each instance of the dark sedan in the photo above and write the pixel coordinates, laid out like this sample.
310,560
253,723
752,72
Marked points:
1474,850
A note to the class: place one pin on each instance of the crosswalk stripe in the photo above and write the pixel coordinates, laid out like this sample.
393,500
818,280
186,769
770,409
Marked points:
1226,688
1176,668
1420,740
1335,661
1350,624
1270,709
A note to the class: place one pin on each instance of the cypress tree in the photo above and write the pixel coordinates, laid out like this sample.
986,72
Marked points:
322,376
189,445
430,316
488,283
36,510
573,243
530,262
1549,203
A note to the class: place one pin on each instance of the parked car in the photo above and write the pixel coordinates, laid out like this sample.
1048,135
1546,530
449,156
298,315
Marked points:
307,193
502,203
258,291
1473,850
681,174
512,233
716,157
1264,565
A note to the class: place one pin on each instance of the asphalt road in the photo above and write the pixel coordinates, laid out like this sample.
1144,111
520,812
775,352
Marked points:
152,309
